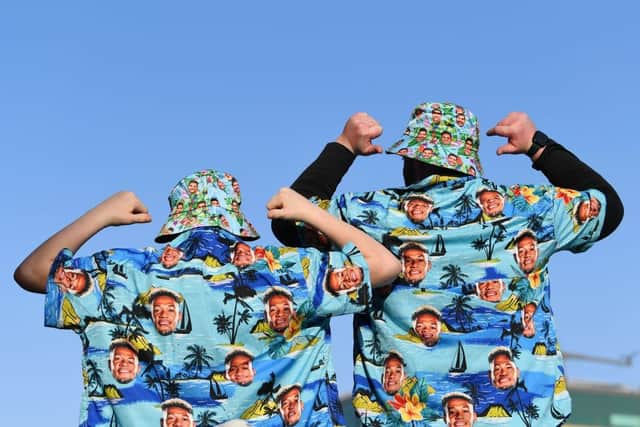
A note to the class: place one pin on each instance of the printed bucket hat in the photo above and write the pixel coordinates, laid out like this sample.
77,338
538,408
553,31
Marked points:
208,198
442,134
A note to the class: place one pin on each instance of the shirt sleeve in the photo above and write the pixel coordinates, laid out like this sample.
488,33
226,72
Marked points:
73,290
338,281
578,217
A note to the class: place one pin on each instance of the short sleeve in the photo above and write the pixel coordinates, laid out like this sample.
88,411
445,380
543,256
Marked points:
73,291
578,217
338,281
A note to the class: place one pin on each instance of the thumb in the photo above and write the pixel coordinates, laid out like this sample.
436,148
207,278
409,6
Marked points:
141,217
372,149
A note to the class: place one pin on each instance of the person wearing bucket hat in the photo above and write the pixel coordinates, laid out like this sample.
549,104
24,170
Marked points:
268,303
471,225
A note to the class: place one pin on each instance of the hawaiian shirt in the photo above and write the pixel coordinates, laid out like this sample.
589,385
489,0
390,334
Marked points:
465,335
207,330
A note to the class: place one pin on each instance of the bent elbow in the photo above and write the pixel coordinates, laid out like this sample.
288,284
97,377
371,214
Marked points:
27,281
613,216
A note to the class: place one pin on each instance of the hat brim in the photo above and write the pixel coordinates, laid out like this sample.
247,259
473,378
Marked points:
234,222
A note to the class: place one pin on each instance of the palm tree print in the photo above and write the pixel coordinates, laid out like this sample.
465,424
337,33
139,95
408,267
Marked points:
197,359
465,207
488,244
453,275
462,310
369,217
206,419
94,378
230,325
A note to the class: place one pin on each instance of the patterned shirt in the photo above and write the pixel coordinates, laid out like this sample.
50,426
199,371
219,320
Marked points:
207,330
466,336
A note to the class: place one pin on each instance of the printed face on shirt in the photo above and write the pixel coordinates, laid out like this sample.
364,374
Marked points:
240,369
587,209
491,290
422,135
529,328
505,372
393,375
345,279
445,138
179,208
124,364
165,313
436,116
192,187
428,329
418,210
427,153
170,256
459,413
527,254
491,203
72,281
460,119
178,417
415,265
280,312
468,146
242,255
291,407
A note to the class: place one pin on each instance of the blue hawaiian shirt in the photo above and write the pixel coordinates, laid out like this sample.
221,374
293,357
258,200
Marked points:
465,335
207,330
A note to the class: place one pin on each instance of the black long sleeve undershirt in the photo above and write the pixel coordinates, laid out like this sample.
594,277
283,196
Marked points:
559,165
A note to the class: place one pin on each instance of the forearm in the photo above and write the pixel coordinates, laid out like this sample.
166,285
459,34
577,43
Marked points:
320,178
564,169
383,265
32,273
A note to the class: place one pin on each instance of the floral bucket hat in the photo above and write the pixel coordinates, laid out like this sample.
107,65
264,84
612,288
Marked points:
442,134
208,198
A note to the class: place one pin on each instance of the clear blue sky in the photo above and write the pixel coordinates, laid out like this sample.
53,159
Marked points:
97,97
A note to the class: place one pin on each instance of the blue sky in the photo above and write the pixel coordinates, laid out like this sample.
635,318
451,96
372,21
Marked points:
97,97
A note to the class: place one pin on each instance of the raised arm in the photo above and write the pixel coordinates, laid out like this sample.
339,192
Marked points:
289,205
558,164
321,178
120,209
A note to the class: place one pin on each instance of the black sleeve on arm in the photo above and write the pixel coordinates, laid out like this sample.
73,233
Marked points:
564,169
320,178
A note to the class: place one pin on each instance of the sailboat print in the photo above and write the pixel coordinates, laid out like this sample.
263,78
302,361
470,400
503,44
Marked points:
459,364
438,249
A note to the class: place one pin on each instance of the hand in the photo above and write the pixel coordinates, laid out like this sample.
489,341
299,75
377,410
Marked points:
288,204
358,132
518,129
122,208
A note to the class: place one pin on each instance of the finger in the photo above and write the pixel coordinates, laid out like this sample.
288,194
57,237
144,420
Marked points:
275,202
506,149
500,130
275,213
139,207
141,217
